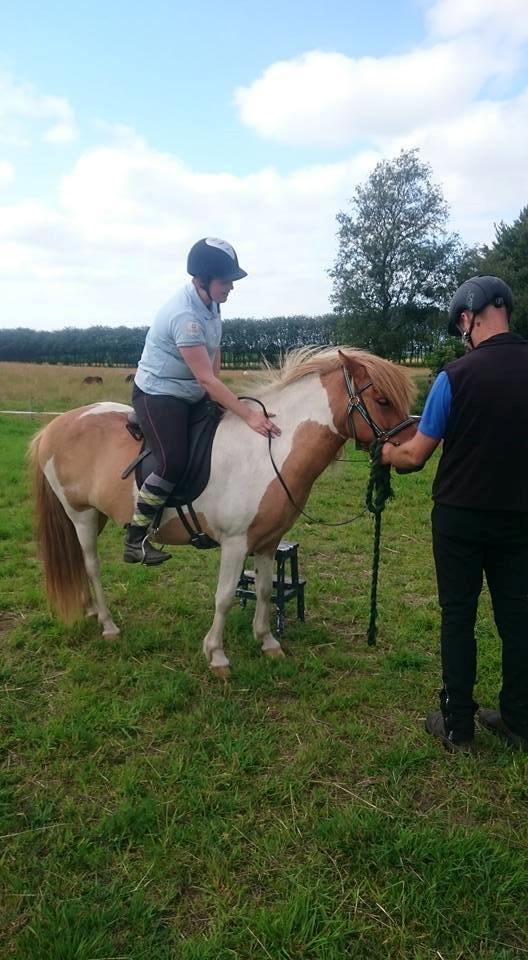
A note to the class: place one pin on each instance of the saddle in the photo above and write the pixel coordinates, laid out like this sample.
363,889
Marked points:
203,421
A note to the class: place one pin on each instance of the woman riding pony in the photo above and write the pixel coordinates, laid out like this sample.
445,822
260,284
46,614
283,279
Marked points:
180,363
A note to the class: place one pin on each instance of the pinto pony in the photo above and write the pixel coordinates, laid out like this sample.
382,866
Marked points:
321,398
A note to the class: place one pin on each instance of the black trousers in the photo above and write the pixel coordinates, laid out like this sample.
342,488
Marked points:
165,424
468,544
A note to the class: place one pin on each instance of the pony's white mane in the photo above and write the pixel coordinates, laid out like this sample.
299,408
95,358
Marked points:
393,381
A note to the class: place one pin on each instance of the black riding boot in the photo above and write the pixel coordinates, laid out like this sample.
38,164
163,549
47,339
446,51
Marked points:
138,548
151,499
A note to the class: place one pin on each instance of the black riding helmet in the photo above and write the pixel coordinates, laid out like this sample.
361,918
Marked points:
476,294
214,259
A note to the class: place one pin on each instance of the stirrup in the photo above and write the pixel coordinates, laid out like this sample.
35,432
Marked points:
142,551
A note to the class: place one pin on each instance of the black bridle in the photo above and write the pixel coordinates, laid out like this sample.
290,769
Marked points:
379,489
356,404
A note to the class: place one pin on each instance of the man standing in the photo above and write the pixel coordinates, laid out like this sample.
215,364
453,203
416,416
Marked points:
478,406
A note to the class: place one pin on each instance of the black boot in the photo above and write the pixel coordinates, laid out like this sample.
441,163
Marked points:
150,503
435,726
492,720
138,548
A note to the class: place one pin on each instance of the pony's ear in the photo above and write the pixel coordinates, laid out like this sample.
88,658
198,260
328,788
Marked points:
356,369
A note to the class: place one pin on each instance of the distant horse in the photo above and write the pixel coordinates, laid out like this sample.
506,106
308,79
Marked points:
93,380
320,398
129,377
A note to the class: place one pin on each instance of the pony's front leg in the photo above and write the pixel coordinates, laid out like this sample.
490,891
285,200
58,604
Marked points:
264,563
231,563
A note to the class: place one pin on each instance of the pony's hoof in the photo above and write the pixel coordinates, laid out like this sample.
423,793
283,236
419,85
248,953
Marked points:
110,632
274,652
223,673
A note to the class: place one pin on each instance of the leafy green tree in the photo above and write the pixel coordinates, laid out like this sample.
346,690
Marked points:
396,263
244,343
508,258
470,262
450,350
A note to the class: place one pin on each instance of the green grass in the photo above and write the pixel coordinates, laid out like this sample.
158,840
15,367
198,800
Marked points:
149,812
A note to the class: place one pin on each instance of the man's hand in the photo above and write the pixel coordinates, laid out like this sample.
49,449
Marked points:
410,456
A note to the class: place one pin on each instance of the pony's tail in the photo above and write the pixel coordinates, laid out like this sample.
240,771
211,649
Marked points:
66,581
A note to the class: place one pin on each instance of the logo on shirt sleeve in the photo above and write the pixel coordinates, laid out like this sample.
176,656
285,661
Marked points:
193,328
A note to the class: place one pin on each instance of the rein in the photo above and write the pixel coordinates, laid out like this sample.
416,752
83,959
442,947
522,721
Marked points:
355,403
280,478
379,486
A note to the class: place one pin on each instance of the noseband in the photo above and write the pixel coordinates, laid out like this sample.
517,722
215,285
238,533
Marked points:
356,404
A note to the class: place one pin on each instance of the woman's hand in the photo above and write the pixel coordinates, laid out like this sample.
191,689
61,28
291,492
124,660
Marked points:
197,359
262,424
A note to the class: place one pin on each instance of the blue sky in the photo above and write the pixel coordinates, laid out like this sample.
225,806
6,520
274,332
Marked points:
169,70
129,130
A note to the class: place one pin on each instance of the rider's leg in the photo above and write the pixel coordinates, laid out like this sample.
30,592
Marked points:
151,499
164,421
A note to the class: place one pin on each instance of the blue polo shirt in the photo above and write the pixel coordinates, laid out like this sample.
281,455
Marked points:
433,422
184,321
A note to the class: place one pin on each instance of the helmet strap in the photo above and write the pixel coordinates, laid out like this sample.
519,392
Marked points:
466,335
202,288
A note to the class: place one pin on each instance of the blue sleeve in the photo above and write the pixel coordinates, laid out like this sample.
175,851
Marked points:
433,422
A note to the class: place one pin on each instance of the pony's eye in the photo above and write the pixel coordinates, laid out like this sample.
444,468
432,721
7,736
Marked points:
383,402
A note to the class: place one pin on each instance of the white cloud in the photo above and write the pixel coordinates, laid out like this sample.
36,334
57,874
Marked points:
7,173
329,99
115,246
61,133
129,215
114,243
481,158
448,18
21,107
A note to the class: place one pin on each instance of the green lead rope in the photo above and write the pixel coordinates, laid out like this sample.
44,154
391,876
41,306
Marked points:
379,490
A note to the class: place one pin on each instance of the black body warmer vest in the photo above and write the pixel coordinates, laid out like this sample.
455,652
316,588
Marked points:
484,463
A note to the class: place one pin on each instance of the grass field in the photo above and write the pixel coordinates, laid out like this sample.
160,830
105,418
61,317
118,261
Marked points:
148,811
37,387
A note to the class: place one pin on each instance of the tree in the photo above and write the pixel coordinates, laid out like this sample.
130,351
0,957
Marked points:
508,258
244,342
396,263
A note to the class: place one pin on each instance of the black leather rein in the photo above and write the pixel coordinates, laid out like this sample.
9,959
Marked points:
355,403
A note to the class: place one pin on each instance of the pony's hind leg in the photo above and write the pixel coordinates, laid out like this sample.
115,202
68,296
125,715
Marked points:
264,563
232,559
87,525
90,607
